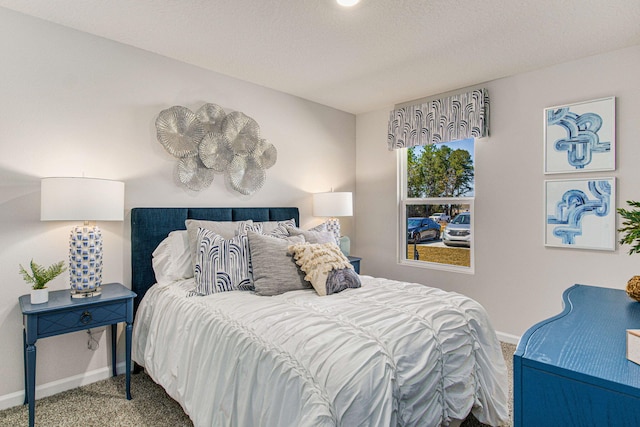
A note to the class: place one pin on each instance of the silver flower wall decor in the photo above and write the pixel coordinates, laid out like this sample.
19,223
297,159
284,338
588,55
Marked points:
210,142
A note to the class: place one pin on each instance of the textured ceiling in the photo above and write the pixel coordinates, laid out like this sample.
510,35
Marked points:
360,59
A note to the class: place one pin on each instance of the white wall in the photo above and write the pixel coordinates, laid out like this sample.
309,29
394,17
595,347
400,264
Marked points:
517,278
71,103
74,104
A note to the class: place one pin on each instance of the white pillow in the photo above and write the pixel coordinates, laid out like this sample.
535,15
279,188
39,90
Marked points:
172,258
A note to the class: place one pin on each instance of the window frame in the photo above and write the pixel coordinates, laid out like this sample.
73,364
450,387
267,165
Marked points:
404,201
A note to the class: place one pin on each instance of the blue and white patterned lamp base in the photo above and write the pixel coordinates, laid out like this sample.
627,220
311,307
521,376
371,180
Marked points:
85,261
333,227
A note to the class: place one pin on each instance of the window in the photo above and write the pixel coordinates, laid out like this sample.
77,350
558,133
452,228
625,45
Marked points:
437,190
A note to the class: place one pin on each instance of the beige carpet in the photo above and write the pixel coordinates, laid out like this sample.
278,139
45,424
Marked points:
103,404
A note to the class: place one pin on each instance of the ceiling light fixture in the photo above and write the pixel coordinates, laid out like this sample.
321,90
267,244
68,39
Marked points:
348,3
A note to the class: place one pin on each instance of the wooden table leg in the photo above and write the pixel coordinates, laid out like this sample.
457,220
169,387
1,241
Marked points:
129,330
114,333
24,356
30,389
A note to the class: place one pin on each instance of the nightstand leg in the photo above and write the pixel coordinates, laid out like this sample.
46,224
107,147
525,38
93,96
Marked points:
24,356
114,332
129,329
30,392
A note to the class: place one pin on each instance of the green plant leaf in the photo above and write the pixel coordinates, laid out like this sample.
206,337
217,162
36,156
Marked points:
631,226
40,276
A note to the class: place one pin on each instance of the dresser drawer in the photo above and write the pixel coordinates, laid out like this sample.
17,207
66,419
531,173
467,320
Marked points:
81,318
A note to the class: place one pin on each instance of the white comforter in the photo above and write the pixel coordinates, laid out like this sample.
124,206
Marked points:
386,354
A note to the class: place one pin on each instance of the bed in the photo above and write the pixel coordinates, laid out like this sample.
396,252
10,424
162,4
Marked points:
385,353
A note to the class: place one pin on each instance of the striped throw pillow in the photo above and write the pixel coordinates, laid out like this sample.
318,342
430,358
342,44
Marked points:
222,265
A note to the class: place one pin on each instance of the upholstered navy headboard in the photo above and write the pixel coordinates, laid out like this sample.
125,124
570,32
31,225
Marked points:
149,226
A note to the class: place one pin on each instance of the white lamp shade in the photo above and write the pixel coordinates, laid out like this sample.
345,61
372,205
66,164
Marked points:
333,204
81,199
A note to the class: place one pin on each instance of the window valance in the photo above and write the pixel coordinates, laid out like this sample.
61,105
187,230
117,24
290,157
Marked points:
461,116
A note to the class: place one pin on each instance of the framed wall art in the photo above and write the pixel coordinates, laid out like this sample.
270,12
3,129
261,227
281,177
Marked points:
580,213
580,137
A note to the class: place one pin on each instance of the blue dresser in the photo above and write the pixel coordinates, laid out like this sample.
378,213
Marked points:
572,370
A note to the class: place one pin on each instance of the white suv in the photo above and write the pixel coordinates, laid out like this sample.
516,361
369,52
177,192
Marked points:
440,217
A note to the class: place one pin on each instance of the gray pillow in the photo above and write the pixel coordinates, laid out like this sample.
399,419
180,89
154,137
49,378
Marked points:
274,269
330,225
312,236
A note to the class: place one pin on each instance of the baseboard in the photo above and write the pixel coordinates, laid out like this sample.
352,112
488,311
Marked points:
508,338
14,399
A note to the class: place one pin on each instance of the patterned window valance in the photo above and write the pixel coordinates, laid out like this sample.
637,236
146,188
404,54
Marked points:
461,116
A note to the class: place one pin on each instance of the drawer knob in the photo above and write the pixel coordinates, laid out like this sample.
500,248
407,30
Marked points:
86,317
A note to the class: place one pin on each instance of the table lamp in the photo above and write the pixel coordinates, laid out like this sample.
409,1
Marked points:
333,204
83,199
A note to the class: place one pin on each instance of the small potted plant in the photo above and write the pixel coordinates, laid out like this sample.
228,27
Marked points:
38,279
631,230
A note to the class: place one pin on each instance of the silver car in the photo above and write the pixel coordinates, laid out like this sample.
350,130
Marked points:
458,231
440,217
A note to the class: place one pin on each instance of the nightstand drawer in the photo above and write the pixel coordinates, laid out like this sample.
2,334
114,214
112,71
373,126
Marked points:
81,318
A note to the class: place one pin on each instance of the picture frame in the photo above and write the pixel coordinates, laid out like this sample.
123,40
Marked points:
580,137
580,213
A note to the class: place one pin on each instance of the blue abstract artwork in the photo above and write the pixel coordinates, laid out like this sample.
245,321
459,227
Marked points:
581,213
580,137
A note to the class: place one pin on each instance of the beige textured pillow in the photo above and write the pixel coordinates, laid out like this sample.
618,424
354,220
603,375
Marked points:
326,267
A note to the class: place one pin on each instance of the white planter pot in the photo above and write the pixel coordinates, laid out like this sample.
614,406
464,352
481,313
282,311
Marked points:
39,296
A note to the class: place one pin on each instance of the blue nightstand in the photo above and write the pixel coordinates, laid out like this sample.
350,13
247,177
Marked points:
355,261
62,314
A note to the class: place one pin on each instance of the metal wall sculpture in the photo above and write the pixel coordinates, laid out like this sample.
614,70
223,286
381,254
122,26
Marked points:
210,142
